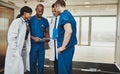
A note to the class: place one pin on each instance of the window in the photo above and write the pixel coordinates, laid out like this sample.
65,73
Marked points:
103,31
96,31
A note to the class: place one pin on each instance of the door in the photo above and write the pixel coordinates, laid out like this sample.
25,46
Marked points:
5,20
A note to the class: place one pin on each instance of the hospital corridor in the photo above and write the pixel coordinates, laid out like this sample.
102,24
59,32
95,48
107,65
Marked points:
97,30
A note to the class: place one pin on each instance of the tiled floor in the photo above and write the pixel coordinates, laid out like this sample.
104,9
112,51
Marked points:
92,54
84,68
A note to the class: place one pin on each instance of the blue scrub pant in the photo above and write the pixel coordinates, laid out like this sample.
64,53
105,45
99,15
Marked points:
65,61
37,56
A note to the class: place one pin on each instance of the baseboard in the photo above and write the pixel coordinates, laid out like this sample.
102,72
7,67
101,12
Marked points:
117,66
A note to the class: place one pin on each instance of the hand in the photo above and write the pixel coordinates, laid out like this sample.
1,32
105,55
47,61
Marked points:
36,39
47,39
61,49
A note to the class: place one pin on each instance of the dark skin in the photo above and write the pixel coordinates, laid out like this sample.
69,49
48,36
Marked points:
39,13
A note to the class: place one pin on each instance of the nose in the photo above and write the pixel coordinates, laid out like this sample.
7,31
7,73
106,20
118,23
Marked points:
40,12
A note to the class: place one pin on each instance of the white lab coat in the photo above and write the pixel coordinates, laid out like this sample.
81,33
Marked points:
16,37
51,43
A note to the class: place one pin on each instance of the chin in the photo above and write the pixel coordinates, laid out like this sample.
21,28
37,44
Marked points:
39,15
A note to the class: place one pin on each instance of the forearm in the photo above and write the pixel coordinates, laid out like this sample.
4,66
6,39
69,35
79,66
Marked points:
47,35
67,35
32,37
66,40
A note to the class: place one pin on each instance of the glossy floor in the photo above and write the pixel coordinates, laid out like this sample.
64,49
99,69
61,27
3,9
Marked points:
83,68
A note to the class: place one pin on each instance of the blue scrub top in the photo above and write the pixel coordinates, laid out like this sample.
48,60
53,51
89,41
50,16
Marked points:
66,17
38,26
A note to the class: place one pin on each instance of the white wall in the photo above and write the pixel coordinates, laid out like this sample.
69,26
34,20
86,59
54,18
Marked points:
117,56
32,4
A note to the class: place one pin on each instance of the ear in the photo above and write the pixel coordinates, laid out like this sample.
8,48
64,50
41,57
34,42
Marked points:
35,9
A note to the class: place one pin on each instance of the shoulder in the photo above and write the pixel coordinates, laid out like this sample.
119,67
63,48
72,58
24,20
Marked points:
33,17
45,19
65,17
66,13
16,21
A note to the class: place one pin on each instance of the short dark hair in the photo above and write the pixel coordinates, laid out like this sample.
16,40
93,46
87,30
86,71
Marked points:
41,5
61,3
25,9
53,5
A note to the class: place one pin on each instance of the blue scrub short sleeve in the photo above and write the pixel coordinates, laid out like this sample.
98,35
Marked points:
65,19
47,24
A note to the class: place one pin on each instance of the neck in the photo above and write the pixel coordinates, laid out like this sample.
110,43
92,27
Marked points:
62,9
23,17
39,17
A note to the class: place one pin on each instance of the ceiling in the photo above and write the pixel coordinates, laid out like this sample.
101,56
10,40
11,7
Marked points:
68,2
80,2
84,2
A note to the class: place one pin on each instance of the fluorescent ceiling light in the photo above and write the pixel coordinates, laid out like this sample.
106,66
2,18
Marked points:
86,2
87,6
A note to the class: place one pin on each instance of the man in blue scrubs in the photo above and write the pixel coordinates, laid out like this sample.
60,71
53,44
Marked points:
39,29
66,38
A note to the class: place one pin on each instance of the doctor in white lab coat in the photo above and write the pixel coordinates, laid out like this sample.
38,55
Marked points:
53,41
18,37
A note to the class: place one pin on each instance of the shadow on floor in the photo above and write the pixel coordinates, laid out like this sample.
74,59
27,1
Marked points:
84,68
